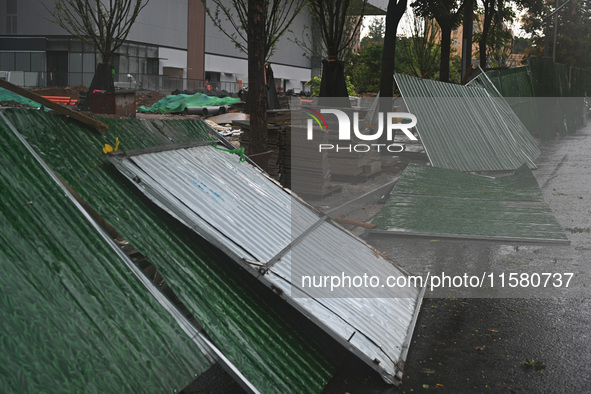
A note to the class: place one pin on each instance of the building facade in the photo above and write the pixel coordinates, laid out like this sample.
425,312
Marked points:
172,45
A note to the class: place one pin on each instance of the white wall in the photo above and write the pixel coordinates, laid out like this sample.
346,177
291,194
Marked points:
162,23
287,52
172,58
222,64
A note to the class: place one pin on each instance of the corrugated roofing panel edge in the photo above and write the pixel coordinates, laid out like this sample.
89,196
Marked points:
461,127
197,186
275,351
74,311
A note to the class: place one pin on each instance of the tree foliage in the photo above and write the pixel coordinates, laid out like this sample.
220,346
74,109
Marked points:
367,65
448,14
494,39
422,48
277,15
102,24
375,32
573,44
315,82
417,53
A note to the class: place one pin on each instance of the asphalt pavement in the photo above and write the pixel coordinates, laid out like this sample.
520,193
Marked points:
536,341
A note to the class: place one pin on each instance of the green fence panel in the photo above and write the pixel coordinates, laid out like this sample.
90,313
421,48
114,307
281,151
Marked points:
260,334
73,318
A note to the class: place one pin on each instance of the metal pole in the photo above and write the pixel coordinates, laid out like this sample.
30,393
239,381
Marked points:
555,32
547,18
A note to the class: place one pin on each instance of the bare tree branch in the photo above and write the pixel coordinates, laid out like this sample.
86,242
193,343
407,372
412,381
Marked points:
338,24
278,15
103,26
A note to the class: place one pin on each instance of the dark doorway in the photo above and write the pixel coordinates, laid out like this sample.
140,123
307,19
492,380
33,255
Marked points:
57,69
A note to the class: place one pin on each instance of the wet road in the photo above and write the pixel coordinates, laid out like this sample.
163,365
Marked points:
464,345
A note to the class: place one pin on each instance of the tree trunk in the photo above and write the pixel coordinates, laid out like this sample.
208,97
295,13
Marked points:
467,38
488,16
256,78
333,86
445,52
482,46
393,15
102,80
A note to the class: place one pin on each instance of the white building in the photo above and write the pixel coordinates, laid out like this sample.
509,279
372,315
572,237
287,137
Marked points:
172,45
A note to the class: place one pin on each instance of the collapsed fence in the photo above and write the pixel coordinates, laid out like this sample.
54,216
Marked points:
547,97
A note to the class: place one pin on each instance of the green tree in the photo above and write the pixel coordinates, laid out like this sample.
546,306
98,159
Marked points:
494,39
367,66
573,43
315,82
104,25
521,44
421,48
448,14
375,33
338,22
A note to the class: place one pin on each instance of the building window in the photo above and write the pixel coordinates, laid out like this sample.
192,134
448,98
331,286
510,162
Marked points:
7,61
11,13
455,42
23,61
37,62
10,24
88,62
136,59
152,66
75,62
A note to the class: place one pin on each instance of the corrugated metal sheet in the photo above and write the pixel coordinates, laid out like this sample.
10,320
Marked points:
513,84
73,319
273,348
462,128
253,220
439,202
432,181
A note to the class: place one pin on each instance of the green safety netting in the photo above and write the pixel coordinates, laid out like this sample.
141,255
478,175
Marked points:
7,95
73,318
270,343
178,102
